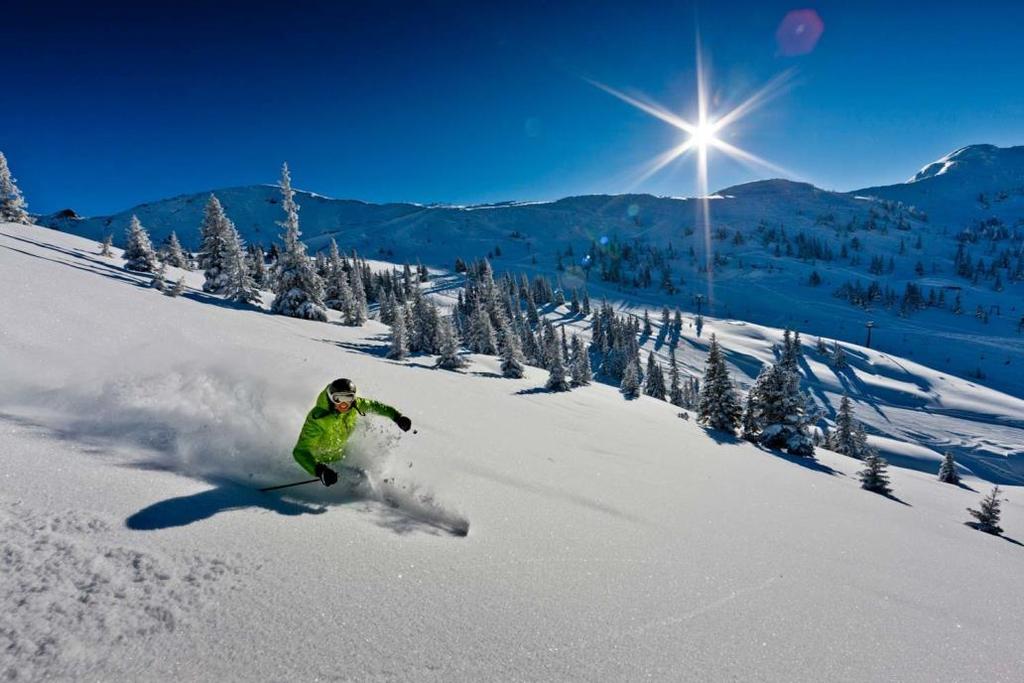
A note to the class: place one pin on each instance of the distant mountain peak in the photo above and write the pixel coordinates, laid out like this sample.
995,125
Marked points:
976,156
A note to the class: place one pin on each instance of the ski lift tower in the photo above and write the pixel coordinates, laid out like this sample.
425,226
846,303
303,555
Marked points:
870,325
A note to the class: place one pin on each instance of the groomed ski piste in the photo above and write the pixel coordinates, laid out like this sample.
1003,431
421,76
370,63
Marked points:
607,539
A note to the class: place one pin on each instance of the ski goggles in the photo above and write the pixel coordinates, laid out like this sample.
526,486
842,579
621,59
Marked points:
342,398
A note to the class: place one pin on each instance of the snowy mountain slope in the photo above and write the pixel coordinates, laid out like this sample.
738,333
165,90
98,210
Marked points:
609,539
770,239
977,182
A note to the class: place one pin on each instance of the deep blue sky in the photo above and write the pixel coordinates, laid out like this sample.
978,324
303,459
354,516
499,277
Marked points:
106,105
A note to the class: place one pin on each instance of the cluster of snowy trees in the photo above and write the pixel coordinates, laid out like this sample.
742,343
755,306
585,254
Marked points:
616,342
140,257
13,207
493,317
304,286
776,413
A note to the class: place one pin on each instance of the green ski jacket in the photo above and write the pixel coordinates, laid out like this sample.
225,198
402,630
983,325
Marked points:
326,430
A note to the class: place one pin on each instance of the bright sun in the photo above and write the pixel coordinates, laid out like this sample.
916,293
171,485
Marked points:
703,135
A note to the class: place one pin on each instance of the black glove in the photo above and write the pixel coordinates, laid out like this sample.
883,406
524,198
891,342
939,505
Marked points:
403,423
327,476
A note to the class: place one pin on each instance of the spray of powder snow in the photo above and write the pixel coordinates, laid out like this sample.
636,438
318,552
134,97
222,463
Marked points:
218,425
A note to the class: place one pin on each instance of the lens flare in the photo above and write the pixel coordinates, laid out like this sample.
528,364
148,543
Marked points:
702,136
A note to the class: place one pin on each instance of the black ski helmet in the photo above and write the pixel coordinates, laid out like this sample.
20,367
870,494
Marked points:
342,386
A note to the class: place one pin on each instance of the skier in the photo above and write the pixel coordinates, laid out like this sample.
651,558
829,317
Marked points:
329,425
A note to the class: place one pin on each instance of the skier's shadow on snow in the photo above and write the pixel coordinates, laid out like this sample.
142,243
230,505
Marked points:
224,496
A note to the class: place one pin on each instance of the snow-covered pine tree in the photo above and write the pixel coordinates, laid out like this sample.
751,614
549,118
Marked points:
580,371
648,331
449,358
13,208
424,326
874,476
159,281
750,427
779,410
177,289
481,333
790,350
334,277
214,235
172,253
299,289
654,385
511,354
258,266
947,470
675,391
556,366
988,513
838,356
358,313
399,343
718,406
847,438
138,252
238,283
631,380
108,242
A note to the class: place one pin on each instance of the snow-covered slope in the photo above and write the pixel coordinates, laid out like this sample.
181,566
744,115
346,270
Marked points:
974,183
608,539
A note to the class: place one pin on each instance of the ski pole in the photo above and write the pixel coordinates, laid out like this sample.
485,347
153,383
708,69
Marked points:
284,486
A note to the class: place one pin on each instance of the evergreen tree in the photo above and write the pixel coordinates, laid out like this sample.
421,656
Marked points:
358,312
299,289
173,255
12,203
654,385
839,361
779,411
581,372
718,406
138,252
874,476
214,232
108,241
647,324
449,358
631,379
556,366
511,354
749,424
258,267
947,470
399,343
424,327
238,283
675,392
988,513
847,437
481,333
